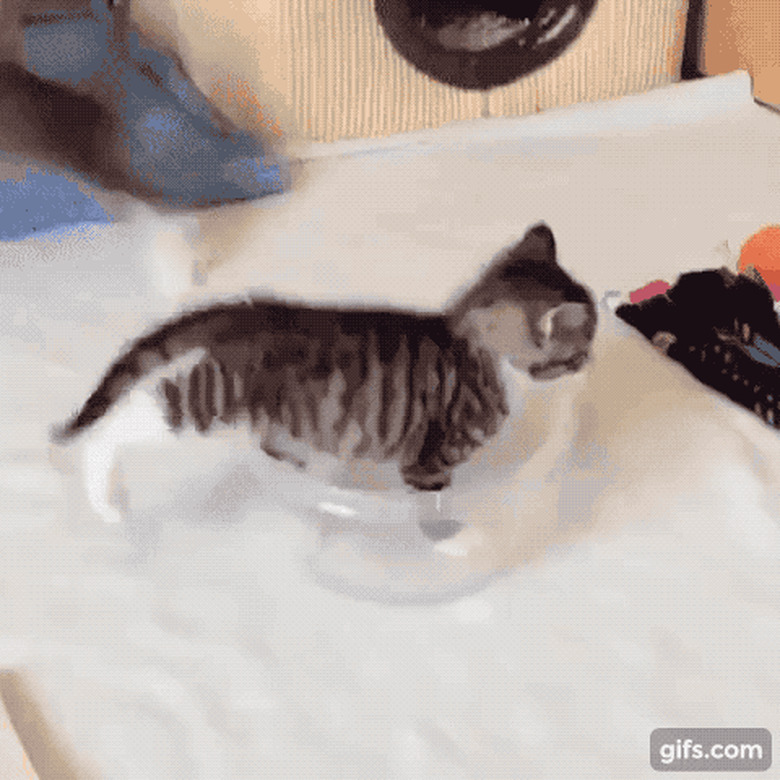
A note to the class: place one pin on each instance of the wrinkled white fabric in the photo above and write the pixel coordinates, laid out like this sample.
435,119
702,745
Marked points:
641,580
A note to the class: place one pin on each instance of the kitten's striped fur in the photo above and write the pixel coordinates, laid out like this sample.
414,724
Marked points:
422,390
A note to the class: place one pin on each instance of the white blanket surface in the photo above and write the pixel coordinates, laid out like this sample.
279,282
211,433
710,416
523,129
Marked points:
637,575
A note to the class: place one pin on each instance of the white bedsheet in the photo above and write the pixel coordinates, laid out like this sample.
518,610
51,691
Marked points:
640,588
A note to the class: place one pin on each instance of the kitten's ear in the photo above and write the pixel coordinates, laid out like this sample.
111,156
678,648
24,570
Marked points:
537,245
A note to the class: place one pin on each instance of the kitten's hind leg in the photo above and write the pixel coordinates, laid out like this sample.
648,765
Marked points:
426,478
139,419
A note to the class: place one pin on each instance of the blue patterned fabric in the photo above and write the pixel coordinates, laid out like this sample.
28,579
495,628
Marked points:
179,147
44,203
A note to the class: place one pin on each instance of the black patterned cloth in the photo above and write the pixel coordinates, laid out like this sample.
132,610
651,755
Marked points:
724,329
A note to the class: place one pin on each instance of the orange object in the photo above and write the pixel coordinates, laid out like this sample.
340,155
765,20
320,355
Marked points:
762,251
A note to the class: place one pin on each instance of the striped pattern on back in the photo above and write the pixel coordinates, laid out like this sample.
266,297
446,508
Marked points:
411,389
420,389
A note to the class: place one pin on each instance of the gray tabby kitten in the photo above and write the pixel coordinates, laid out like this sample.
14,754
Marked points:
421,390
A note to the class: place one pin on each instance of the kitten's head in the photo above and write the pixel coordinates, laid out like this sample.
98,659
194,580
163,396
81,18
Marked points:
528,309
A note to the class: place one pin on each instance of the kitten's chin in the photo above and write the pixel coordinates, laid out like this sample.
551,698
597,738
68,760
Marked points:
557,368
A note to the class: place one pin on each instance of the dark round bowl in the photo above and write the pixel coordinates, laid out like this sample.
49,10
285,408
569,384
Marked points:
480,44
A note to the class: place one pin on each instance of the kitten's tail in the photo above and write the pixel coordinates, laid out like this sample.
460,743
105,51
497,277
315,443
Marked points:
146,355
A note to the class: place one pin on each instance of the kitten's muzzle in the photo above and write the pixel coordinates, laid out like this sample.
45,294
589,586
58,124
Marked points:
556,368
567,330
